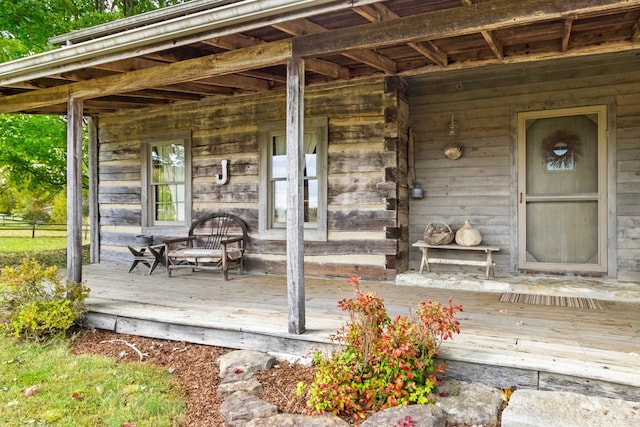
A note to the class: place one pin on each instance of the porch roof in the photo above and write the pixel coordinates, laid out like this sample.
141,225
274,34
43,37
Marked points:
222,48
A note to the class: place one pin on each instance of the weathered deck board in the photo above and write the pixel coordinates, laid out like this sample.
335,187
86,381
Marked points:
250,311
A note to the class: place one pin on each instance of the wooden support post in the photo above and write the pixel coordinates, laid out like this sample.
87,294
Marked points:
94,225
295,197
74,190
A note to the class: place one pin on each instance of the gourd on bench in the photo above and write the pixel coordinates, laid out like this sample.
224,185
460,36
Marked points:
215,242
439,235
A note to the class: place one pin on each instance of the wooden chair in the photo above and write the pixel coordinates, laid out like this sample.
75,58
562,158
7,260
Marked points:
215,242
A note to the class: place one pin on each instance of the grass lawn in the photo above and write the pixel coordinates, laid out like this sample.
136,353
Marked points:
45,384
27,244
48,250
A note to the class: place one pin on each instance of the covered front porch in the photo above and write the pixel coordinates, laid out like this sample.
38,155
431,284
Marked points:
586,350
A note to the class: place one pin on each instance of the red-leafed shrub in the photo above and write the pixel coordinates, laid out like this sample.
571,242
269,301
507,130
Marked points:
382,362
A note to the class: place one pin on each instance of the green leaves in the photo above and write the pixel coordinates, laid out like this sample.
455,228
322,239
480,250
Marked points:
33,151
384,362
34,303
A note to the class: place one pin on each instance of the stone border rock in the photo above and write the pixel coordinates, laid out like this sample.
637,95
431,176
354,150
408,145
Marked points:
459,403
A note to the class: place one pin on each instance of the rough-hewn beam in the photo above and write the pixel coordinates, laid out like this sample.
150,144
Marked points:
635,33
489,37
566,33
263,55
236,41
485,16
494,43
373,59
378,12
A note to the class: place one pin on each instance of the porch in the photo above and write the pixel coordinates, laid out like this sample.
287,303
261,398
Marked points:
591,351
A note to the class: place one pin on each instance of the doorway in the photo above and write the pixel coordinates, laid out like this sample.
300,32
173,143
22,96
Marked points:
562,210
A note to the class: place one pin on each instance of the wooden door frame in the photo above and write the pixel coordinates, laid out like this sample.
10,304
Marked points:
604,189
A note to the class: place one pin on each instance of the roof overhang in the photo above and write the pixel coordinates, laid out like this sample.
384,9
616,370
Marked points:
241,47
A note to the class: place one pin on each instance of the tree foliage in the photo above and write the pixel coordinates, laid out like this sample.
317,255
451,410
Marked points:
33,148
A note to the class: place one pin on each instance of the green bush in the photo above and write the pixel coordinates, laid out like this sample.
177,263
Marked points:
383,362
34,303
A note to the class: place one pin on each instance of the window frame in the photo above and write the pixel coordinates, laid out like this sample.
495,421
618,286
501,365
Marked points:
316,231
147,185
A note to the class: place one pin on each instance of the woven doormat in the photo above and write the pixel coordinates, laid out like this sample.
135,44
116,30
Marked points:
551,300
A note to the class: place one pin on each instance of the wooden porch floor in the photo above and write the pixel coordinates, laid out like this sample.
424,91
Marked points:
501,344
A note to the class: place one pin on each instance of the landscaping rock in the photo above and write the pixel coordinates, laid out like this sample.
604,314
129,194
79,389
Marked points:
414,415
241,361
469,403
533,408
239,382
291,420
241,407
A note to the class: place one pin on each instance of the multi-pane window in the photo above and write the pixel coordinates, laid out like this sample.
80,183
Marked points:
166,179
274,172
278,179
167,183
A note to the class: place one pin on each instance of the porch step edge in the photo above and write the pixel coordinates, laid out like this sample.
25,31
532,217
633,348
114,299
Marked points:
606,290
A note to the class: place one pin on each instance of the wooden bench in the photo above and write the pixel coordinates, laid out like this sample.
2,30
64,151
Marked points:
488,263
215,242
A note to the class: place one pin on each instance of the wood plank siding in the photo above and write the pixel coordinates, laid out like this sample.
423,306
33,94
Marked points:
482,184
367,196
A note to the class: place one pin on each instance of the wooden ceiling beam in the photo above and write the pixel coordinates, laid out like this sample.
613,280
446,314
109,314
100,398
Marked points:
238,81
276,78
494,43
237,41
373,59
453,22
378,12
489,37
198,89
635,33
245,59
566,33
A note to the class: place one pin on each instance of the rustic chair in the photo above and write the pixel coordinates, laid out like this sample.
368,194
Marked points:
215,242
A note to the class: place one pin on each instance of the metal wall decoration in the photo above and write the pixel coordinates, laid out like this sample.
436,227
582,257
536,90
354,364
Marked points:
223,178
560,149
453,151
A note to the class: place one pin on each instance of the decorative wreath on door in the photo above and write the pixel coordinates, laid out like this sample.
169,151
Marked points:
561,148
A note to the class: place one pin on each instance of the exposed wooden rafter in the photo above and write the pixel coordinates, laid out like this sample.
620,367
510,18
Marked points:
236,41
303,27
635,32
566,33
193,69
378,12
399,37
489,37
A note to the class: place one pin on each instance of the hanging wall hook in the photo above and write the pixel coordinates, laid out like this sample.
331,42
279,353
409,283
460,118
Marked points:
223,178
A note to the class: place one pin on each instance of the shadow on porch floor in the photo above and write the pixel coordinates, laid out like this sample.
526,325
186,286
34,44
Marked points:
602,289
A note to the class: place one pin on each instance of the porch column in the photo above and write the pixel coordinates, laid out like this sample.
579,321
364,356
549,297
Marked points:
295,195
94,222
74,190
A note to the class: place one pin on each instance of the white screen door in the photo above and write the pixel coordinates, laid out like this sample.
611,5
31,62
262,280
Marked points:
562,212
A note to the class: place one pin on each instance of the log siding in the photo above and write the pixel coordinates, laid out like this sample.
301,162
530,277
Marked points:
367,142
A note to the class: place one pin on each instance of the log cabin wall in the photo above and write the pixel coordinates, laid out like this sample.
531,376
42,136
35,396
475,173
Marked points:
482,184
367,202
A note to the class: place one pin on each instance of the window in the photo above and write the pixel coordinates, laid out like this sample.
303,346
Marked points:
273,179
166,176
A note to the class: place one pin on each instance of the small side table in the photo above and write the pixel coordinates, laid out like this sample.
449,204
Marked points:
150,256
